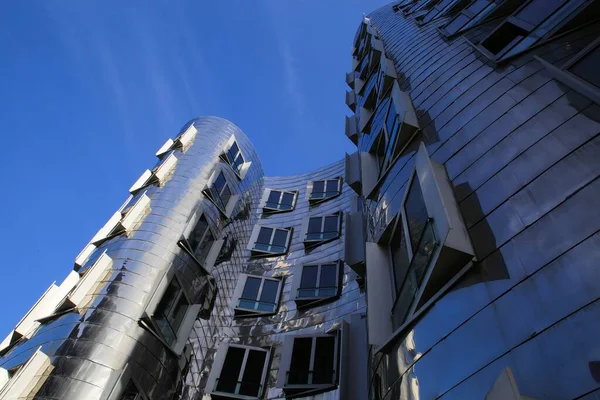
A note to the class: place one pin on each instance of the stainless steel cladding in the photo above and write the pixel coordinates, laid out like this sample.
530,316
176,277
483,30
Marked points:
478,144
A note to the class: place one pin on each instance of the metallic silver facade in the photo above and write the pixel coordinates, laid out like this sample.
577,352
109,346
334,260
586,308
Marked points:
522,152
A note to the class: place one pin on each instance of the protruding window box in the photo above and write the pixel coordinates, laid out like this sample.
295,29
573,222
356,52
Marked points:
165,148
84,255
352,129
124,220
352,176
219,193
387,76
315,284
182,141
278,201
238,372
199,242
26,378
355,238
350,76
320,191
170,314
351,100
376,51
364,125
321,229
476,13
256,296
88,284
267,241
311,363
159,174
369,95
233,156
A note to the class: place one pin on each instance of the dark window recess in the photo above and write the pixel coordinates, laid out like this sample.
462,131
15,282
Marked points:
319,281
260,295
503,36
242,372
200,240
323,228
234,157
171,311
313,361
131,392
226,252
400,257
208,297
585,68
280,201
538,10
416,213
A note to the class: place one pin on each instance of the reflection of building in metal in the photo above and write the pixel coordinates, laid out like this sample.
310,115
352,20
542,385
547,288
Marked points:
476,124
467,215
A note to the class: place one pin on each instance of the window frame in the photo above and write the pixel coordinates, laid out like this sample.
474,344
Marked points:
124,220
272,210
209,261
568,78
27,375
181,141
241,312
308,301
218,364
267,253
318,200
209,193
314,242
242,169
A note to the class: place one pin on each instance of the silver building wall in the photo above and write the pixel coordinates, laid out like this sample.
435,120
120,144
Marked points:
521,150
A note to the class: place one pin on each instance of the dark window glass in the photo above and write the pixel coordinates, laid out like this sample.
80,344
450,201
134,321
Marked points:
328,276
225,196
318,186
231,370
179,312
220,182
478,6
251,288
324,359
331,224
538,10
300,362
399,256
456,23
131,392
280,238
198,232
170,311
252,377
314,225
309,276
274,196
269,291
288,199
503,37
585,68
204,248
169,298
233,151
416,213
332,185
264,236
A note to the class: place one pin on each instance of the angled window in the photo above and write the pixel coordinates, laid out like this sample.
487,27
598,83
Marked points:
256,295
239,372
124,220
440,9
322,229
533,22
18,382
159,174
266,241
170,313
310,364
91,277
209,295
219,193
314,283
278,200
323,190
477,12
131,392
232,155
580,72
199,241
181,142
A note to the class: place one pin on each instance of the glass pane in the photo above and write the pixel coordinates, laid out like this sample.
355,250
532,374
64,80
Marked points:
233,152
318,186
239,161
202,250
332,186
288,199
586,67
178,313
399,256
251,288
219,182
280,238
130,393
329,276
478,6
225,196
198,232
300,362
538,10
314,225
274,197
269,292
324,360
252,377
264,236
230,372
416,213
168,300
309,276
331,224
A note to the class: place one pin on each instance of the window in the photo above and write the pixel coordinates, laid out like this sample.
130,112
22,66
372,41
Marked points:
219,193
125,219
170,315
535,21
322,229
92,276
323,190
269,241
256,295
209,295
17,382
232,155
313,283
477,12
579,73
239,372
279,201
309,363
131,392
199,240
182,141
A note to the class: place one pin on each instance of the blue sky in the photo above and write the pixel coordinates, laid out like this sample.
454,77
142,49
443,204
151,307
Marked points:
91,89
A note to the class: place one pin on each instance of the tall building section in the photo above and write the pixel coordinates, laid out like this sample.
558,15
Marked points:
476,125
454,255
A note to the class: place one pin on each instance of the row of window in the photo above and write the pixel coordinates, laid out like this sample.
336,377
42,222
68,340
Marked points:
276,200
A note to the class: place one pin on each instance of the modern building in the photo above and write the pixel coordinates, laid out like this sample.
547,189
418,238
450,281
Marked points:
455,254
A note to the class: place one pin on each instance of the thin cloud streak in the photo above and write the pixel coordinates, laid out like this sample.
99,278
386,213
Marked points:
291,79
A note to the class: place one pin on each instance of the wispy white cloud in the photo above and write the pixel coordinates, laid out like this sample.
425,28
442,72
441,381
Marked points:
291,78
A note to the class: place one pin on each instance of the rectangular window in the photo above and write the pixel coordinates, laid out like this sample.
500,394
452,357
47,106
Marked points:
243,372
259,295
171,311
313,361
319,281
585,66
272,240
323,228
325,189
200,240
279,200
131,392
234,157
